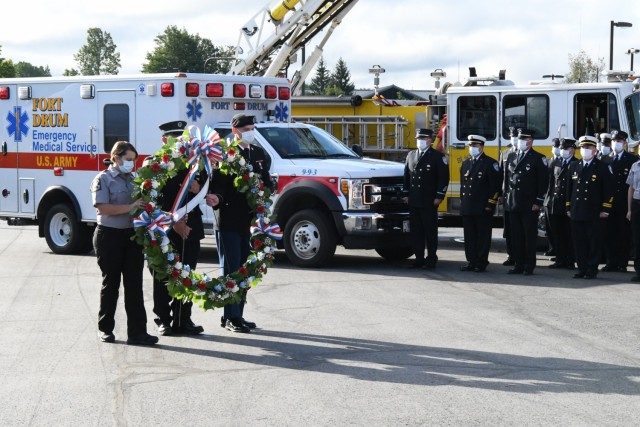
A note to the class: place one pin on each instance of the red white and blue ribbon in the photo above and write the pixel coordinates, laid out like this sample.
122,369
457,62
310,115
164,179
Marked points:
271,230
160,222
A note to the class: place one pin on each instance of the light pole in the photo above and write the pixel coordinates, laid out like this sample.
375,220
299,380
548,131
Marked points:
632,52
552,76
376,70
438,74
615,24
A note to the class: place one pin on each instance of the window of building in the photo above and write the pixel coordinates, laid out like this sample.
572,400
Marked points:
526,112
116,125
477,115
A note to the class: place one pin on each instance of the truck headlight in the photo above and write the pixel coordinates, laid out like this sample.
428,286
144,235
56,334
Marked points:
353,190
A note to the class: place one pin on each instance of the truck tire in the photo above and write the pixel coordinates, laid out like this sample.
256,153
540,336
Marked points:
63,232
309,239
395,254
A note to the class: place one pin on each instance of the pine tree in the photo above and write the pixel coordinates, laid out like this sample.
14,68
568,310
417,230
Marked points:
320,82
341,79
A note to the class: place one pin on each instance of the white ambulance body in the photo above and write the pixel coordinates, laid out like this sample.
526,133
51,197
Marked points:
58,132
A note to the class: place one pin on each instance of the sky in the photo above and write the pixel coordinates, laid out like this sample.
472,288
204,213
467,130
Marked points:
408,38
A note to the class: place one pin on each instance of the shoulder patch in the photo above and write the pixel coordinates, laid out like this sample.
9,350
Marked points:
445,160
544,161
95,185
496,166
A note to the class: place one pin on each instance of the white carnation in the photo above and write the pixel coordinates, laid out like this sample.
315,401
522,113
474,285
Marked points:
184,274
178,265
154,184
243,162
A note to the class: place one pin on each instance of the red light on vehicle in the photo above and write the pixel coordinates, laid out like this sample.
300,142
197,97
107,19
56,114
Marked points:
193,89
4,92
215,90
239,106
239,90
166,89
58,171
270,92
284,93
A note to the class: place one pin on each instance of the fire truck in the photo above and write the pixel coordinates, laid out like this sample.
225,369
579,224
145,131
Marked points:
58,132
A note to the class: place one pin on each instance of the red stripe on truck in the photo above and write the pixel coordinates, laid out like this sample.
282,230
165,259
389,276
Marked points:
331,182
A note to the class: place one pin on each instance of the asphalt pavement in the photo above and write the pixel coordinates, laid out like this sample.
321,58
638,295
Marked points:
361,342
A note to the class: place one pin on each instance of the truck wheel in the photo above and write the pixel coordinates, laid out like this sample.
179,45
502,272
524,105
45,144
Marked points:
62,230
309,239
395,254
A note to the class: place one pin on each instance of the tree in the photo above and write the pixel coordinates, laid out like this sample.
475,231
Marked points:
25,69
583,69
99,55
341,79
6,67
177,50
320,82
71,72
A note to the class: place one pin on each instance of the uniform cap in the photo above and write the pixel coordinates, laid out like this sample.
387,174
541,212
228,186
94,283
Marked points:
556,142
476,139
605,138
566,143
588,140
242,120
173,128
526,133
619,134
424,132
513,132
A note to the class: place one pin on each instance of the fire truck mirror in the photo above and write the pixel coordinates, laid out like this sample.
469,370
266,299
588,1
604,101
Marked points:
106,162
356,101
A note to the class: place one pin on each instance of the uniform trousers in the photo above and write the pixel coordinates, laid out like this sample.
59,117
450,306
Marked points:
618,238
561,226
549,229
635,229
166,308
477,238
506,233
587,243
120,257
233,250
524,235
423,223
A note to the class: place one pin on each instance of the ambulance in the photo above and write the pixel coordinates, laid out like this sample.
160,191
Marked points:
58,133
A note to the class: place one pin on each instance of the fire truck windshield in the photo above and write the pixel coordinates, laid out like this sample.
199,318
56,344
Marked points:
632,105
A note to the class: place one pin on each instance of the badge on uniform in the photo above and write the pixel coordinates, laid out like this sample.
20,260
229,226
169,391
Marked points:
594,177
528,166
496,167
95,185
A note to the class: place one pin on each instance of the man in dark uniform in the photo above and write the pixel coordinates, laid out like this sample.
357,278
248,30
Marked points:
234,234
604,148
480,188
555,154
589,198
526,178
426,176
174,315
555,204
506,233
618,227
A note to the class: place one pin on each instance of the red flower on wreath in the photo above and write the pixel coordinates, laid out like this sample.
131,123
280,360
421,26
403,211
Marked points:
186,282
149,208
153,243
245,177
166,158
231,152
175,273
183,149
202,286
230,284
155,167
147,184
243,270
260,209
261,186
257,244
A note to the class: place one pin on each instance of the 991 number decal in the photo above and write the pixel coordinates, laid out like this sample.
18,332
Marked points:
309,171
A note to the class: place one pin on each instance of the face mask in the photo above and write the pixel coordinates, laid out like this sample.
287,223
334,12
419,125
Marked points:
599,146
618,147
586,153
474,151
566,154
556,151
248,136
522,144
606,150
514,141
422,144
126,166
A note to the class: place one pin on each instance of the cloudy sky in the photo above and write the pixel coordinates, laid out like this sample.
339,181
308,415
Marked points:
409,38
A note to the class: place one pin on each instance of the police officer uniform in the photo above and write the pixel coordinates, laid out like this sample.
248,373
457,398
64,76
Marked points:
618,228
555,205
119,256
506,231
589,193
525,184
174,315
555,149
479,191
604,148
426,176
233,236
634,215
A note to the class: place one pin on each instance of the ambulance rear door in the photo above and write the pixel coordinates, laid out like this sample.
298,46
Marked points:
116,120
12,134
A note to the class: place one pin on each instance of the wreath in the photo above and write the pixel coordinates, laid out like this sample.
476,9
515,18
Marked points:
196,152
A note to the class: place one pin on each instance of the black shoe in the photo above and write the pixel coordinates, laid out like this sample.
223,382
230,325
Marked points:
550,253
509,262
622,269
188,328
527,273
142,339
558,265
591,275
570,266
609,268
250,325
516,271
223,322
635,279
236,325
164,329
107,337
417,264
429,265
579,275
468,267
480,269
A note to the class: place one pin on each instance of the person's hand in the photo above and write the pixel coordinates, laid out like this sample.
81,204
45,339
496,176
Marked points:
629,215
182,229
569,214
212,200
604,214
535,208
195,187
138,204
437,202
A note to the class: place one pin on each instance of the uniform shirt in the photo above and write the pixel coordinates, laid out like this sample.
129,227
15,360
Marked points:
589,190
557,192
634,180
480,182
525,181
426,177
113,188
620,166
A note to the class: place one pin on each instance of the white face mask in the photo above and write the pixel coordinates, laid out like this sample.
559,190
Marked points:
474,151
586,153
556,151
618,147
126,166
566,154
514,141
249,136
606,150
422,144
522,144
599,146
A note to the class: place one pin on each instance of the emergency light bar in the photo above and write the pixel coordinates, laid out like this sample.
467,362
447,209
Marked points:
4,92
24,92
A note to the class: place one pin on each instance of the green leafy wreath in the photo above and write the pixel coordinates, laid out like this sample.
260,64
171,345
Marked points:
192,151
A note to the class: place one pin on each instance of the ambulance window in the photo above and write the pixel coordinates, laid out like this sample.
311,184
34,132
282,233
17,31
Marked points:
594,113
526,112
477,116
116,125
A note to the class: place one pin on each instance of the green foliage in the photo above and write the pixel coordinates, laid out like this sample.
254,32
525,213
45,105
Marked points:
583,69
99,55
71,72
177,50
25,69
341,78
7,68
320,82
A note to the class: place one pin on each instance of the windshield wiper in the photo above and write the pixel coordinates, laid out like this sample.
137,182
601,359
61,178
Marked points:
304,156
351,156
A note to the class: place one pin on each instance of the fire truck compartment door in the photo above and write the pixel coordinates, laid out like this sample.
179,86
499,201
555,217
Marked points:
11,136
